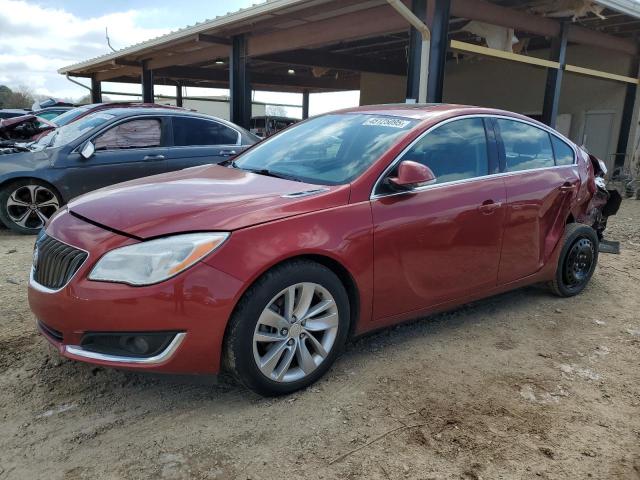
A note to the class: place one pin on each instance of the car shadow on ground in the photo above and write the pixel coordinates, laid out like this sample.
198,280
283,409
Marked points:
159,392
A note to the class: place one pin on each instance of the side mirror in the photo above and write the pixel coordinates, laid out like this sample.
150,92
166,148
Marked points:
411,175
88,150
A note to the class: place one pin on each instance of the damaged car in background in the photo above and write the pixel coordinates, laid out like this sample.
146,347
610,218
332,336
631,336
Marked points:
339,225
103,148
23,129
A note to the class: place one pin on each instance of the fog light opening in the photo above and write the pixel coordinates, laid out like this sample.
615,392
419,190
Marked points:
138,345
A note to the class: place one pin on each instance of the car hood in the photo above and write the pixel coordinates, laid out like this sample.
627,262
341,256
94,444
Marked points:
10,127
202,198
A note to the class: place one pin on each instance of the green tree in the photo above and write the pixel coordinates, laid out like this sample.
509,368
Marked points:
21,97
5,93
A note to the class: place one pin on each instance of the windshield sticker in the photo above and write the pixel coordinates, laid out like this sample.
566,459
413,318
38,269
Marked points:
387,122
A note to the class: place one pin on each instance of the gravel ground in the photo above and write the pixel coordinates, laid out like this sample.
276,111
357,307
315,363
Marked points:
523,385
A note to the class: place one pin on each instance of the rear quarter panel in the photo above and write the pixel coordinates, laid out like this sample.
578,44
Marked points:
580,206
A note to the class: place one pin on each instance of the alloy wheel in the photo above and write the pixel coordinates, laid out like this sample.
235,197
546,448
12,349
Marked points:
295,332
30,206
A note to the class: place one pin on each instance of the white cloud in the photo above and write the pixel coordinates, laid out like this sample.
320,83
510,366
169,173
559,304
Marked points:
35,42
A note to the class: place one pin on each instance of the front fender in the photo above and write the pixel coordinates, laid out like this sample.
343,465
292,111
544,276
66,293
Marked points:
344,234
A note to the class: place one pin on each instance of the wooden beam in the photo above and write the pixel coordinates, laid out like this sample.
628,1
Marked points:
122,62
492,52
484,11
384,20
108,75
336,61
204,38
361,24
540,62
600,74
216,84
188,58
263,79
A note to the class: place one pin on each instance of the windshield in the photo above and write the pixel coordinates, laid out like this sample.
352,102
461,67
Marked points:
70,115
330,150
75,130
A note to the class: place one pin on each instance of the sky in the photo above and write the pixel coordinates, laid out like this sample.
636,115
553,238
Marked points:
37,37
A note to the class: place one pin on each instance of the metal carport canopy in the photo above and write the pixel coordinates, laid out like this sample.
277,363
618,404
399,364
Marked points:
285,25
628,7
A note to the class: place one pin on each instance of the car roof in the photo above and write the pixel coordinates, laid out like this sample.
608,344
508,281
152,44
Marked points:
129,105
175,112
49,109
426,111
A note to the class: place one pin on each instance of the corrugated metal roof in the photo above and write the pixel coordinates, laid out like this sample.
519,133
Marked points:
257,10
628,7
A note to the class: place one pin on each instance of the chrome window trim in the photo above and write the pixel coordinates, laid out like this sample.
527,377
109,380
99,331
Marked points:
374,196
161,357
41,288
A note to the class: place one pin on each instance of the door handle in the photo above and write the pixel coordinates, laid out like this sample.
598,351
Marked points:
567,188
153,157
227,153
489,206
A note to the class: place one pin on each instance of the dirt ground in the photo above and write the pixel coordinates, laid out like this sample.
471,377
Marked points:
524,385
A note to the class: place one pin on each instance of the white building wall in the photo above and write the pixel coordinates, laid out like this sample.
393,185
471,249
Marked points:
218,107
519,87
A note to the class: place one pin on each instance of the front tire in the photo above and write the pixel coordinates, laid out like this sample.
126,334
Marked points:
577,262
288,328
26,205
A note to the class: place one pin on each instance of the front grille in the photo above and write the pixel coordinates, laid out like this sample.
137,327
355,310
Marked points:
51,332
55,262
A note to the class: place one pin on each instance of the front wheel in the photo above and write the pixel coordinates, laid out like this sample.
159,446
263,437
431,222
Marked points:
288,328
26,205
577,262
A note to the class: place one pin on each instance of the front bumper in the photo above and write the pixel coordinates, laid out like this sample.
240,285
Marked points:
196,304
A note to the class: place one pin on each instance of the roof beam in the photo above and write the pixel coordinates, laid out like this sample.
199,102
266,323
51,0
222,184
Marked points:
122,62
364,23
484,11
108,75
262,79
187,58
383,20
336,61
204,38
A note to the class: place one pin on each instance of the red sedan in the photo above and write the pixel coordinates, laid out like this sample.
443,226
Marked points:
339,225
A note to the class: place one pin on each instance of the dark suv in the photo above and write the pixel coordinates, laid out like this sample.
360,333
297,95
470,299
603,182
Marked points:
104,148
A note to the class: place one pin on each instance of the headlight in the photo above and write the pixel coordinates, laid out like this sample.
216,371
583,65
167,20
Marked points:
151,262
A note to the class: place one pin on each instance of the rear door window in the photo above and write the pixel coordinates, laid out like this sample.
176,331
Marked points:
563,152
526,147
455,151
189,131
141,133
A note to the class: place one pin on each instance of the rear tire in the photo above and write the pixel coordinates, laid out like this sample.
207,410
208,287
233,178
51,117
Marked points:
577,262
288,328
25,205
